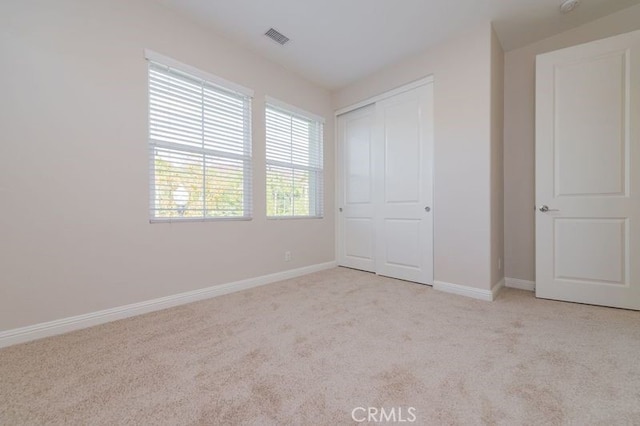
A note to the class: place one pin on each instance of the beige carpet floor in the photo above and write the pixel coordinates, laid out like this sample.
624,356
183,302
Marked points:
311,349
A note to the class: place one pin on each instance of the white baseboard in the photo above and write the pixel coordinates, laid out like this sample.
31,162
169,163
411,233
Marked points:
463,290
64,325
520,284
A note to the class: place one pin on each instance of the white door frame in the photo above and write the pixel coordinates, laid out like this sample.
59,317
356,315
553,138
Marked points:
385,95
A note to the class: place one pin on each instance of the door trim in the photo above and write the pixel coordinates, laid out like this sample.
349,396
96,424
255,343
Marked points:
372,100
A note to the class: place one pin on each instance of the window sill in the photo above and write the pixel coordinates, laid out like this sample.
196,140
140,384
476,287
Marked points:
293,217
200,219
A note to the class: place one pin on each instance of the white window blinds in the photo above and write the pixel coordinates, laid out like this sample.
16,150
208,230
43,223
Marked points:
294,163
200,147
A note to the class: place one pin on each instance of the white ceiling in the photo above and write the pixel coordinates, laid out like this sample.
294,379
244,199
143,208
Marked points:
335,42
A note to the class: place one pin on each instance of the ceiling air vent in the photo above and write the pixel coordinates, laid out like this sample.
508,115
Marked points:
277,36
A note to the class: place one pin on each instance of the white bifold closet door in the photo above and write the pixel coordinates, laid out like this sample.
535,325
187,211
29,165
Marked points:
385,186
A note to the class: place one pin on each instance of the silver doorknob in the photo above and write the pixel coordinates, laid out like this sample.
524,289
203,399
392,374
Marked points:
427,209
544,209
340,209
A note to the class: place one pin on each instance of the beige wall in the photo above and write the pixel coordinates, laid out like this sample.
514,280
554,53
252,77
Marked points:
497,166
74,229
462,178
519,135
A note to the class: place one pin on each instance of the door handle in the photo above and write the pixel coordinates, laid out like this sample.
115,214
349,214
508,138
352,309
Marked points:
546,208
427,209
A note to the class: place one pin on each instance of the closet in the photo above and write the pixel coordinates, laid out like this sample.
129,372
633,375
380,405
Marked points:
385,184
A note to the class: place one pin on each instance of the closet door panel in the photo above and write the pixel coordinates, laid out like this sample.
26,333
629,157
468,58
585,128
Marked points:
403,146
356,233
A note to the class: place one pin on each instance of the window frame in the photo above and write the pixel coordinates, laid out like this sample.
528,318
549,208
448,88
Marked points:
207,153
316,203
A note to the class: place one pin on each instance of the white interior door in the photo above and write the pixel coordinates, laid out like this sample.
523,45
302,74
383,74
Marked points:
356,222
403,151
588,173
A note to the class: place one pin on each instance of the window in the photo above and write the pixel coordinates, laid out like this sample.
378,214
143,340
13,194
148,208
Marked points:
294,162
200,144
